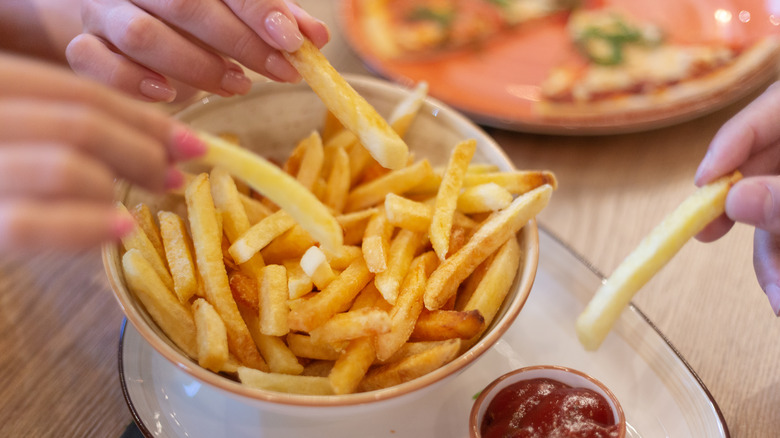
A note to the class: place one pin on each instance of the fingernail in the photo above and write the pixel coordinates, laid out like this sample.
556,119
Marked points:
187,144
173,179
283,31
703,167
281,68
122,225
157,90
773,293
236,82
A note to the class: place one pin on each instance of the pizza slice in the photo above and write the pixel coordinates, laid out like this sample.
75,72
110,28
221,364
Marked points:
628,65
414,28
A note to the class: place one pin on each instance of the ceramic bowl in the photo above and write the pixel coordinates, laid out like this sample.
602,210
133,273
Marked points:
568,376
270,120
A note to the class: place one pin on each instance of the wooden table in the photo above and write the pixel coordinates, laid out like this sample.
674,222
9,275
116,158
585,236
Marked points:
59,323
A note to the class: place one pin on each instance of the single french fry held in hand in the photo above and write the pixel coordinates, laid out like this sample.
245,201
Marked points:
173,317
333,299
411,367
492,234
276,185
440,325
447,197
291,384
349,107
137,239
207,240
652,254
211,336
178,252
403,248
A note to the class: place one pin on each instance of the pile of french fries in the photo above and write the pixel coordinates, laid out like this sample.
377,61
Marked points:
339,275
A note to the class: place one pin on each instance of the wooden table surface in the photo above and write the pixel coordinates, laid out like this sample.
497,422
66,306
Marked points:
59,322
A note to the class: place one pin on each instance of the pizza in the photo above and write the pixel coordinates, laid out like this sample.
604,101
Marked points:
628,64
415,28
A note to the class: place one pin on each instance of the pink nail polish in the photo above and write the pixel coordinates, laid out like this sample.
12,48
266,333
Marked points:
283,31
157,90
276,65
773,293
187,144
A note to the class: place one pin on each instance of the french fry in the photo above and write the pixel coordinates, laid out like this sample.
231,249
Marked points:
408,306
338,181
273,301
290,245
166,310
137,239
353,324
178,252
484,198
376,241
517,182
409,349
342,258
439,325
277,186
445,280
447,197
211,336
397,181
416,216
330,126
354,225
411,367
255,210
652,254
145,219
352,365
494,284
298,283
316,266
291,384
403,248
331,300
260,235
245,289
305,346
318,368
207,238
310,166
405,112
349,107
279,357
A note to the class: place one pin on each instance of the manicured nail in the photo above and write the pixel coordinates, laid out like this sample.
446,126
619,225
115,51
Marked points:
157,90
773,293
236,82
703,167
187,144
283,31
173,179
752,203
276,65
122,225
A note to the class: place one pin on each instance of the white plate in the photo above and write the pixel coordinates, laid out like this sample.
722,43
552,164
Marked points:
661,395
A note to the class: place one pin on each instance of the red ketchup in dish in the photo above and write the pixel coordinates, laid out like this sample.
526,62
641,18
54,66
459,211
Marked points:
548,408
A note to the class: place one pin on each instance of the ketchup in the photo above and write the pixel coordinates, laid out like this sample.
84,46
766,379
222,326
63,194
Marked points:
548,408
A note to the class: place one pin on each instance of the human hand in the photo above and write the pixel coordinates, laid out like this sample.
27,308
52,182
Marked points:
63,141
750,142
149,48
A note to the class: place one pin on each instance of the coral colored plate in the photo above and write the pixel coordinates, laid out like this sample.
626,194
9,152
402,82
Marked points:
499,83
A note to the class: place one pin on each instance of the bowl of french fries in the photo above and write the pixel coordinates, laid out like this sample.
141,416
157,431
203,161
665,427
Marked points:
345,242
